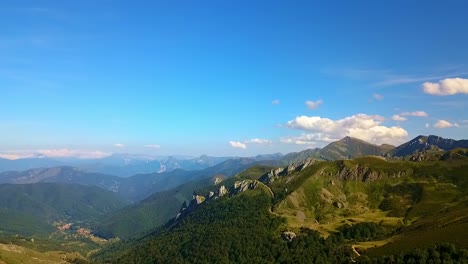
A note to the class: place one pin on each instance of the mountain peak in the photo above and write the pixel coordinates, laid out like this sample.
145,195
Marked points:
421,143
350,147
352,139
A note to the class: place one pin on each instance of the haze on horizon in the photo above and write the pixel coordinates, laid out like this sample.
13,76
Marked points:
89,78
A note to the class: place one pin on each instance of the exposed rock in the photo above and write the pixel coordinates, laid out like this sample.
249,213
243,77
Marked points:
217,180
366,174
210,194
326,195
242,186
338,204
222,191
199,199
282,172
272,175
290,169
288,236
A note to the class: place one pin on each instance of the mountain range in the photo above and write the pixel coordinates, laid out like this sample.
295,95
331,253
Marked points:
367,209
349,201
126,165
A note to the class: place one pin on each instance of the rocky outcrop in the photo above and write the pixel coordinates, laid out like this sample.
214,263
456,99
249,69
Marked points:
222,191
288,236
242,186
238,187
198,199
366,174
277,173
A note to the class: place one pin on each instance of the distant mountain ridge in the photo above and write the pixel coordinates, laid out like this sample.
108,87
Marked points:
421,143
132,188
140,186
125,165
350,148
61,175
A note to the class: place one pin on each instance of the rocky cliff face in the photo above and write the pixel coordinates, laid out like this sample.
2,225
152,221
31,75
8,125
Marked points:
366,174
277,173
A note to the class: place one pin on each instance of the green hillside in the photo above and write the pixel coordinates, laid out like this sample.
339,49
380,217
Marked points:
229,230
33,208
367,206
157,209
150,213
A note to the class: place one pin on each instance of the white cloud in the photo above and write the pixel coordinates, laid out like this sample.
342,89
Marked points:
258,141
426,125
378,96
415,113
118,145
307,139
55,153
362,126
153,146
275,102
10,156
398,118
237,144
312,105
449,86
445,124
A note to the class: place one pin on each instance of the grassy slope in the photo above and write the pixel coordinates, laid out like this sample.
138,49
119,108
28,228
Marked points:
428,204
13,254
415,204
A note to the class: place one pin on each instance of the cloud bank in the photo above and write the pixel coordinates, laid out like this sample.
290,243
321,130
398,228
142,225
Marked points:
449,86
55,153
362,126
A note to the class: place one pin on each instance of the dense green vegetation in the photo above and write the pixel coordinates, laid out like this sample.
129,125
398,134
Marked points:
354,201
55,201
29,209
228,230
369,209
156,210
363,231
444,253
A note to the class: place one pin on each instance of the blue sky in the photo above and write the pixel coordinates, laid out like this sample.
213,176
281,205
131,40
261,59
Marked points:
89,78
